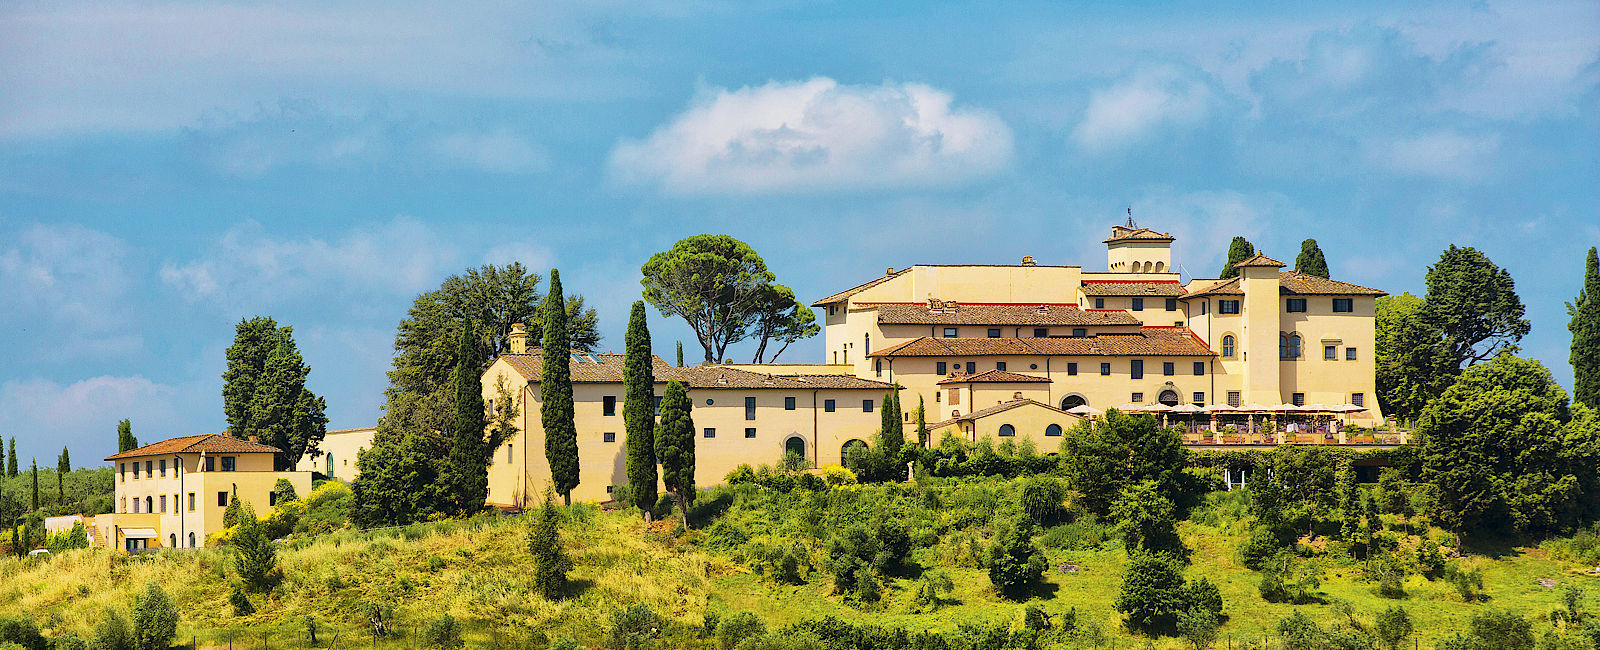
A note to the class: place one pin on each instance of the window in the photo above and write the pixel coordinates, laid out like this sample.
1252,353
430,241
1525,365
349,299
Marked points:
994,332
1138,304
609,436
709,401
949,332
1298,399
1349,354
1288,346
999,365
1072,369
611,489
1227,306
1099,303
1105,368
508,453
710,432
1169,368
1343,305
191,540
1296,305
830,310
1041,332
1358,399
1136,369
227,463
163,504
866,406
749,432
955,397
1330,353
163,470
1199,368
749,408
222,500
1205,305
272,499
788,403
940,368
877,367
1052,430
1199,398
136,505
191,502
148,471
1233,398
1007,431
972,367
609,403
658,404
1227,346
1079,332
1172,304
1138,398
827,405
122,472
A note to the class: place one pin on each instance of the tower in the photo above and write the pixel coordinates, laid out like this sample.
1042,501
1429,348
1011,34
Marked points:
1131,249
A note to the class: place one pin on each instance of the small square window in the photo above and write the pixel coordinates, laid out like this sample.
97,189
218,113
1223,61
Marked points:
610,489
1072,369
866,406
609,403
1099,303
827,405
949,332
1138,304
609,436
1227,306
1233,398
1199,398
994,332
1298,399
999,365
211,466
710,432
1358,399
1199,368
1296,305
749,432
227,463
972,367
1138,398
1330,352
1349,354
1041,332
1079,332
1343,305
1172,304
788,403
1105,368
1169,368
222,499
940,368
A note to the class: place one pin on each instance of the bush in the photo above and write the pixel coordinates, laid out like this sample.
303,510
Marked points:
1198,626
1393,626
241,603
155,619
740,475
443,633
1015,563
551,562
635,627
835,475
738,627
1467,583
1082,534
1502,630
22,631
1201,593
257,558
112,632
1257,551
69,642
1040,500
1152,592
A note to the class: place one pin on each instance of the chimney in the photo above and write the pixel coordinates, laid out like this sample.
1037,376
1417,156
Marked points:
1017,396
888,272
519,338
1027,260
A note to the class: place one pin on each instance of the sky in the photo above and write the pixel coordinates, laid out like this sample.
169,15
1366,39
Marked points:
167,169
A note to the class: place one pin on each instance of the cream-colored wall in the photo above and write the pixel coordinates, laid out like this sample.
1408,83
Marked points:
1131,256
1259,338
918,376
1004,284
982,395
1332,382
1029,420
343,447
253,477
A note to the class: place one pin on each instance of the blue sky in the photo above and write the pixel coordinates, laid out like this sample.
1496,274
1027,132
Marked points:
168,168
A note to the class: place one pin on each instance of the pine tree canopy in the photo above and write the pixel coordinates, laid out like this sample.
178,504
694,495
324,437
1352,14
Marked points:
1475,304
1238,251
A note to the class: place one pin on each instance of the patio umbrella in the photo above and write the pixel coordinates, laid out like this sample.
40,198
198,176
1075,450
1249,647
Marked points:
1131,407
1186,408
1085,410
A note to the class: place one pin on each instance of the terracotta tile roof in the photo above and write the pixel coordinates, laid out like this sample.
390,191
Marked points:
1229,287
935,312
1124,233
998,408
1164,288
213,443
859,288
1148,341
1297,282
995,377
1260,260
607,369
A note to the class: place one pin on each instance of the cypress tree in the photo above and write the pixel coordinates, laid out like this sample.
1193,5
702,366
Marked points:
63,466
675,445
680,354
1311,261
922,422
5,468
550,561
555,391
125,439
35,484
257,559
894,428
1585,327
15,468
638,410
467,470
1240,250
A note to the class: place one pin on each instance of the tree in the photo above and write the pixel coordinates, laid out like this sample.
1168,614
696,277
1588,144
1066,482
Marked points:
283,412
1099,461
1414,363
13,469
35,507
125,439
639,409
680,354
1475,304
470,453
893,427
1585,328
675,445
1015,563
254,340
1310,260
1238,251
1198,626
555,393
1505,451
398,484
716,283
155,619
241,603
783,319
1146,522
551,563
256,557
63,467
1152,592
922,422
443,633
111,632
1393,626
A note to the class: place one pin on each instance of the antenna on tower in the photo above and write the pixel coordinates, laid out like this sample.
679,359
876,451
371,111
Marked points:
1130,216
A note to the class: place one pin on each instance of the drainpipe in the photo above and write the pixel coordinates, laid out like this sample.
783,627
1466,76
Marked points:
814,432
182,534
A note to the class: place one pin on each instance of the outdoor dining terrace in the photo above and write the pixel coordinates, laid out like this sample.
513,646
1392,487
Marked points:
1257,424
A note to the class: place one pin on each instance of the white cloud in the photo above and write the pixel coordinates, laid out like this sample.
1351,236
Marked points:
1205,222
817,135
248,267
83,415
1140,103
1448,155
67,283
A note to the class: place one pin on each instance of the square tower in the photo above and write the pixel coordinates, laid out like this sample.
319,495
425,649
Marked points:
1138,250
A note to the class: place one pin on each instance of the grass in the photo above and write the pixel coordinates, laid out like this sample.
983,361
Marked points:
479,570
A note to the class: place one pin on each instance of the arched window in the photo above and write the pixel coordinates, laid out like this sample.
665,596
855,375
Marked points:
172,540
149,504
1294,346
1007,431
877,367
1168,397
795,445
330,466
866,344
844,451
1071,401
191,540
1052,430
1227,346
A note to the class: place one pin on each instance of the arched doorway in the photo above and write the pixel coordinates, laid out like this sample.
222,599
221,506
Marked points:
844,451
795,445
1071,401
172,540
191,540
1168,397
329,472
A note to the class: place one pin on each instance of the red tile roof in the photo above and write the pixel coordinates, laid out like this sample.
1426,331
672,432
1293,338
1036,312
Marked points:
607,369
842,295
1294,282
1260,259
995,377
998,408
211,443
1164,288
1148,341
1124,233
935,312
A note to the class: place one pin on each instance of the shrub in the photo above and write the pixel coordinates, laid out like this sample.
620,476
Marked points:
1034,618
551,562
929,589
1201,593
1152,592
1082,534
1040,500
635,627
738,627
740,475
443,633
112,632
1015,563
241,603
69,642
1467,583
1502,630
1298,632
22,631
1393,626
256,557
835,475
1257,551
155,619
1198,626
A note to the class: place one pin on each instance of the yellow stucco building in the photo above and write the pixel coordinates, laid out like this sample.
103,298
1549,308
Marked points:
172,493
336,454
